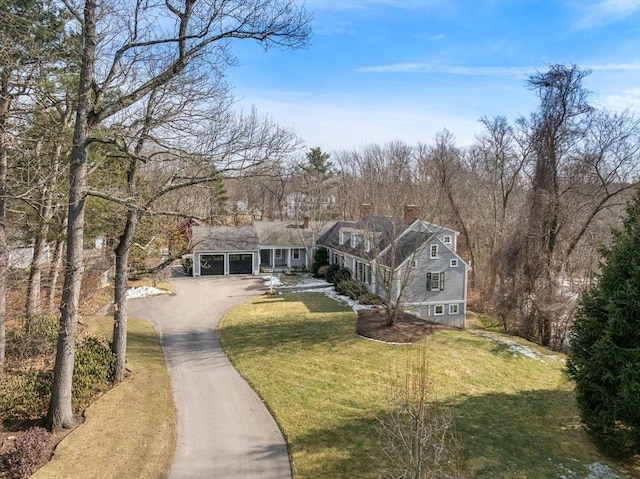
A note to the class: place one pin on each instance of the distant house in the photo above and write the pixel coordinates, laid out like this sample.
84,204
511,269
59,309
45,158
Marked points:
262,246
410,260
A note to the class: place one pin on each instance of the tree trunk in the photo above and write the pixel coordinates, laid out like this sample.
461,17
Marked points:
119,346
5,101
54,272
46,214
60,413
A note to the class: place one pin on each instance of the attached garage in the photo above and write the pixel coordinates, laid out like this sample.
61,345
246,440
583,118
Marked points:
241,263
211,264
221,250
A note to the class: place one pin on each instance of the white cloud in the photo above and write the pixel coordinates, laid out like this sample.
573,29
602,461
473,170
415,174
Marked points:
594,14
627,99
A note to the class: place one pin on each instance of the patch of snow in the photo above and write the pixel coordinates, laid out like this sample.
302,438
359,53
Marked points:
144,291
602,471
331,293
596,471
515,348
272,281
320,286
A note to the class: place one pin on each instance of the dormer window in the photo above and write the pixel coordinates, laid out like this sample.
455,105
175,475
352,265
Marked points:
367,245
341,237
446,239
354,239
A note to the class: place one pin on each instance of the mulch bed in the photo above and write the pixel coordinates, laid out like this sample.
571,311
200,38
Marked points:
372,323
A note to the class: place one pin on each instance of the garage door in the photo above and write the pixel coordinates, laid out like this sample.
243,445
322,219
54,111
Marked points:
211,264
241,263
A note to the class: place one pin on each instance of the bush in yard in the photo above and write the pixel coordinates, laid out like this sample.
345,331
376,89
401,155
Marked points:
322,271
604,357
93,369
343,274
331,272
320,259
35,337
24,395
352,288
369,299
30,451
187,266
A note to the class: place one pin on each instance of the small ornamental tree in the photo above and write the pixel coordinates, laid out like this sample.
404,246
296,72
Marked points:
320,258
605,348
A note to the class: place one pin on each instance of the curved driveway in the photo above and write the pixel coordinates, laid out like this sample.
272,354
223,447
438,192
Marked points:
224,429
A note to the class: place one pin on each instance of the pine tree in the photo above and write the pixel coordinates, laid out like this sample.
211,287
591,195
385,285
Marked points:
605,349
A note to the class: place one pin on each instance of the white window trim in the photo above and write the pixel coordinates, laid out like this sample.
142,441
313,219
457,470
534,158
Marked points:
278,253
353,241
433,251
341,241
435,310
453,263
447,239
367,245
414,263
453,307
295,253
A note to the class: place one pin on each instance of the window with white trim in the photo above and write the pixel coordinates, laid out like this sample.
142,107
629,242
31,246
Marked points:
354,239
341,237
453,263
414,263
433,251
453,309
367,245
278,254
295,253
446,239
435,281
438,309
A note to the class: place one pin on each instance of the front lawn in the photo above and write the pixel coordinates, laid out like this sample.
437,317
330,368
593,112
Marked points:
327,387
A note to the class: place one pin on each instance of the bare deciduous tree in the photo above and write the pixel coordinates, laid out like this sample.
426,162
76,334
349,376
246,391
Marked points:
582,160
418,436
126,54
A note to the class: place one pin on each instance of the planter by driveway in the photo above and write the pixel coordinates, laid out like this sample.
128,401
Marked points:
224,429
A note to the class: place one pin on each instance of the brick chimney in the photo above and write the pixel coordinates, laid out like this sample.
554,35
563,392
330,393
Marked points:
365,210
410,214
305,222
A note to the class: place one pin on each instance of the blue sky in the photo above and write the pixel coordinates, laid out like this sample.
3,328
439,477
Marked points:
384,70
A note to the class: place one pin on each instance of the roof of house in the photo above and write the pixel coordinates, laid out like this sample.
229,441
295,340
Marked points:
380,230
225,238
384,232
278,233
259,234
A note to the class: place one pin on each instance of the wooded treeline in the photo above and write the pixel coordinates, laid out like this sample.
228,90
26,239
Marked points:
116,122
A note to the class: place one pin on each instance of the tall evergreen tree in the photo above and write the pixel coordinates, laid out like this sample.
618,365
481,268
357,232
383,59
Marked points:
605,349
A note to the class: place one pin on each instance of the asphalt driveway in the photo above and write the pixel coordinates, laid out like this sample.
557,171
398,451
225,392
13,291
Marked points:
224,429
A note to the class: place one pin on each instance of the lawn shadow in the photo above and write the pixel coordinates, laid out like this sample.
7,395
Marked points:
529,435
532,434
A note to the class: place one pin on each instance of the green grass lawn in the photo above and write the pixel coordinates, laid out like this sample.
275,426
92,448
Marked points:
327,388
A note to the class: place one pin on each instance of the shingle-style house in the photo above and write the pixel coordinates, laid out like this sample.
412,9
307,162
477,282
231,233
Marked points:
411,260
265,245
404,260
